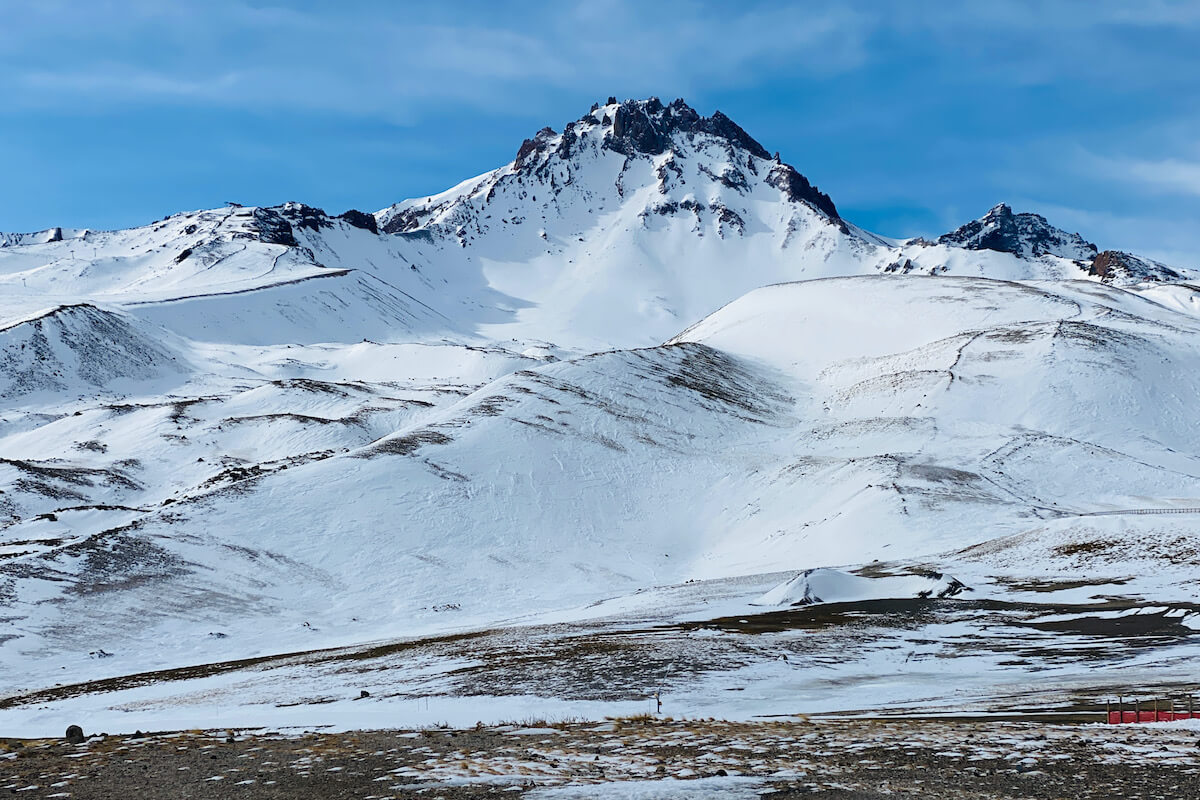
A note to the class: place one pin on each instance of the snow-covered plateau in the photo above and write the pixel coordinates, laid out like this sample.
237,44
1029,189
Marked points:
638,413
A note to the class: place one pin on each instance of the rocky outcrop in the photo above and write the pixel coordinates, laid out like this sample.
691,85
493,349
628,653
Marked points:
1116,266
1024,235
302,216
647,127
278,224
272,228
567,141
359,219
538,144
797,188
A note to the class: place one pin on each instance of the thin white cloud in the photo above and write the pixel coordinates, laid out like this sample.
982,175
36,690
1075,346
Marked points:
1156,176
120,80
1171,175
391,60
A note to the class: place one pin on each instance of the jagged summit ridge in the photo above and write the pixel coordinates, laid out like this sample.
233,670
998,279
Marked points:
640,131
1025,235
644,127
647,126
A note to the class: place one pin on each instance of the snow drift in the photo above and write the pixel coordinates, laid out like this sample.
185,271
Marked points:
834,586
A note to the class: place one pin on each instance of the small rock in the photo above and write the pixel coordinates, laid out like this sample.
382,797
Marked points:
75,735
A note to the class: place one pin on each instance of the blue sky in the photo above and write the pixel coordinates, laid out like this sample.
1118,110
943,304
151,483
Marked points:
914,116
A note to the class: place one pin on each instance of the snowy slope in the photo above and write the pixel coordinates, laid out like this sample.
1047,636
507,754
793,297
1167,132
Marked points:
787,431
79,348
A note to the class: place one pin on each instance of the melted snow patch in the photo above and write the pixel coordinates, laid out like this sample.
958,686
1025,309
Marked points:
834,586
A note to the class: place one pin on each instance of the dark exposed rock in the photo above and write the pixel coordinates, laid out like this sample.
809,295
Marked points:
272,228
302,216
538,144
720,125
1115,265
729,217
646,126
1106,264
404,222
75,735
634,130
1025,235
56,235
904,266
183,254
797,188
360,219
568,140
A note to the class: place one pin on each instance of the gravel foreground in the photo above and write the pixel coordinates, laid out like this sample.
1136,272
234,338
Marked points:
642,758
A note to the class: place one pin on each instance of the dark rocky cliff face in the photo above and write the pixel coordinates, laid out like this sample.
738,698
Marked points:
360,219
1115,265
278,224
647,126
1026,235
785,178
272,228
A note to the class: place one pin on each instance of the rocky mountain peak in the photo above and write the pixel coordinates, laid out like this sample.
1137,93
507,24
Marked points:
670,148
1025,235
647,126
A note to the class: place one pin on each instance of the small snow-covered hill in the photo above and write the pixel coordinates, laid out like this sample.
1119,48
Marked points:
78,348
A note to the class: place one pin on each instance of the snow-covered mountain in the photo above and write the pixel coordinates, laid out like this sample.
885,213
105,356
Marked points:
632,223
645,352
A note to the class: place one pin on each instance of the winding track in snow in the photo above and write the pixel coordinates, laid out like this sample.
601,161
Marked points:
1121,512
